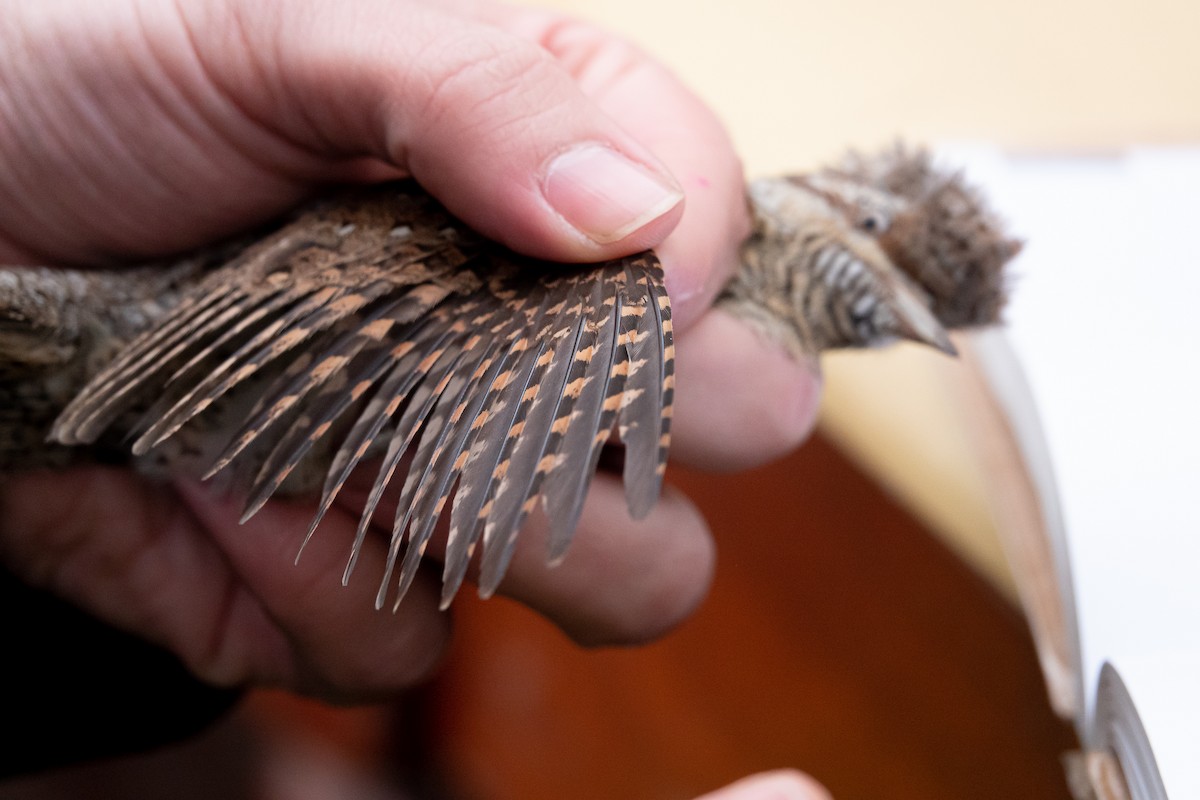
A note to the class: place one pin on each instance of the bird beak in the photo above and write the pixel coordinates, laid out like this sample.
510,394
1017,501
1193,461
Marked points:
914,320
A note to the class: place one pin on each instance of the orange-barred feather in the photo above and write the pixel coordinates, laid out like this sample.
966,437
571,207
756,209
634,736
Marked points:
378,322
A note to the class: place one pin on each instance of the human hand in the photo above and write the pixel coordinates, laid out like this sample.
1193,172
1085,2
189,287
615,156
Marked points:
133,129
778,785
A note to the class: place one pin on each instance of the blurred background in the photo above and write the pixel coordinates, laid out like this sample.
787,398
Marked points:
862,625
799,82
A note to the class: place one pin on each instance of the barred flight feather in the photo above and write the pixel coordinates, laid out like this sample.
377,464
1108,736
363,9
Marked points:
379,323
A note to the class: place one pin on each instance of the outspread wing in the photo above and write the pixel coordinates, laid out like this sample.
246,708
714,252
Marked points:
377,327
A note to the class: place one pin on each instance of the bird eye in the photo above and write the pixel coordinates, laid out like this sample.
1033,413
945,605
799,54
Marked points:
873,223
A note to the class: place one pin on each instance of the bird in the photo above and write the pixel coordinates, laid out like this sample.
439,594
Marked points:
371,327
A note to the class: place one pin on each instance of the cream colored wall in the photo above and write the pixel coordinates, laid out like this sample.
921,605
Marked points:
798,82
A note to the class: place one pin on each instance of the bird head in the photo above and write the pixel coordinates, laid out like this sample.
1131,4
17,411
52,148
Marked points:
939,231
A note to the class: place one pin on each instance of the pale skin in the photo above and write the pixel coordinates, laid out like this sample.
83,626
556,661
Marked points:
135,129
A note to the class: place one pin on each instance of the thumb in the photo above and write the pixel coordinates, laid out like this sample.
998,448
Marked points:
487,121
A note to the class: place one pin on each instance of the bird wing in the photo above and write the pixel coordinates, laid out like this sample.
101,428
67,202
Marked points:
376,323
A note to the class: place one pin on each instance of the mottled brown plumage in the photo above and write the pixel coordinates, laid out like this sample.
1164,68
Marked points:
868,251
374,325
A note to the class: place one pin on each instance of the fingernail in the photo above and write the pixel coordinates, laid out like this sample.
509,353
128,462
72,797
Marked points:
605,195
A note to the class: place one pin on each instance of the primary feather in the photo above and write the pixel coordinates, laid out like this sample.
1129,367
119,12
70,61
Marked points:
377,324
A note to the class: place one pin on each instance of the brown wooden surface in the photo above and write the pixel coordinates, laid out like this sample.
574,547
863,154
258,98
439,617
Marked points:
839,638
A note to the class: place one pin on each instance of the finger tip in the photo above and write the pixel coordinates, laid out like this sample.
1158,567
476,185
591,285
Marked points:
782,784
660,598
741,399
802,398
623,581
